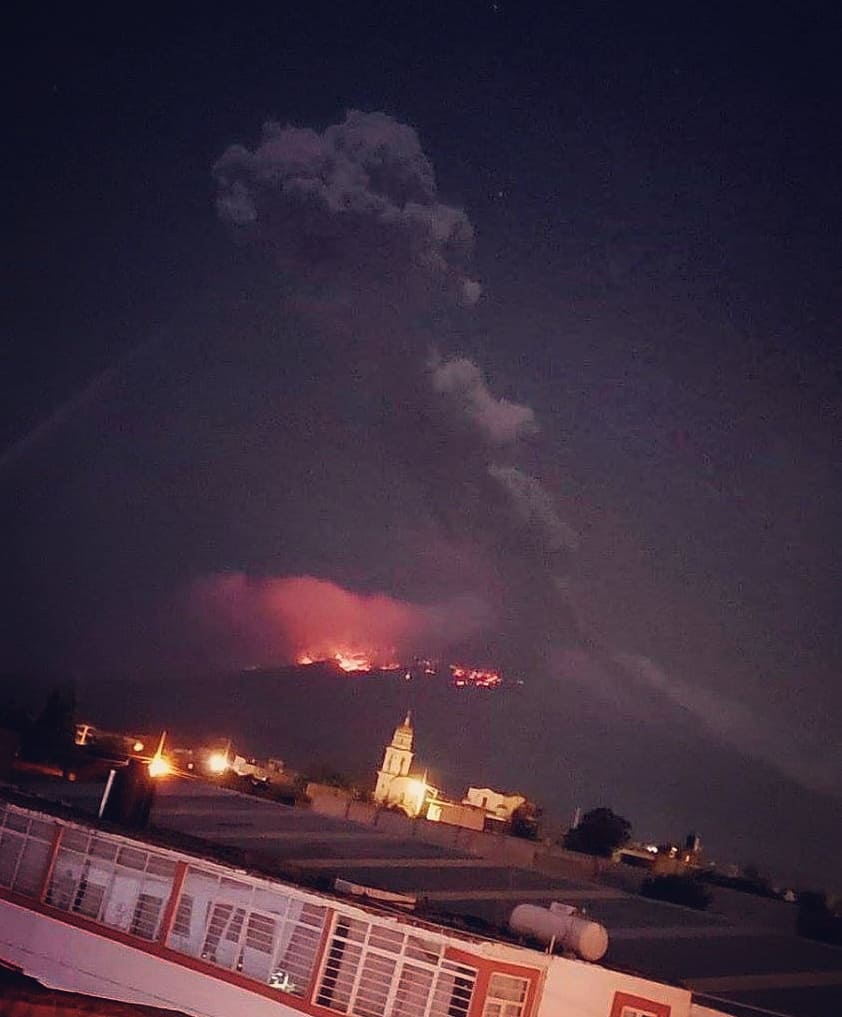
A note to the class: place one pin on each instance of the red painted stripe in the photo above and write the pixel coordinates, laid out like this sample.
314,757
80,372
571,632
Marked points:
648,1006
172,901
318,967
158,948
58,832
486,968
164,953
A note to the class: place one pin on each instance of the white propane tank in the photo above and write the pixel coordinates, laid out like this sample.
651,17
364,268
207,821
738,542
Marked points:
561,922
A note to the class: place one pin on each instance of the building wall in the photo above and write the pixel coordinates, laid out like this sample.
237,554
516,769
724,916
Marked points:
73,959
451,813
493,846
188,959
587,990
494,802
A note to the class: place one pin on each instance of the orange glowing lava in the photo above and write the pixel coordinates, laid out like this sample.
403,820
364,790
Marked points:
351,661
474,677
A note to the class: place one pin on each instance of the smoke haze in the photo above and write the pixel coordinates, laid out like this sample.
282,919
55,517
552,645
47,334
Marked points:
278,620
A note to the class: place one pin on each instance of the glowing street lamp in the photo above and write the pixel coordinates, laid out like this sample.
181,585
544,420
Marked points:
218,762
159,765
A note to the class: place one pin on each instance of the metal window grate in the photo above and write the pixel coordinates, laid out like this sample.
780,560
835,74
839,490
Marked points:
118,886
183,917
147,914
376,970
89,898
25,844
11,848
261,931
454,990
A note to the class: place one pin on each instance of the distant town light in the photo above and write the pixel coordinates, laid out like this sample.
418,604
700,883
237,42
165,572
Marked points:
84,734
137,747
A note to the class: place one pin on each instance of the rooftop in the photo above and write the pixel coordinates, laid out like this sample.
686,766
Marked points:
756,960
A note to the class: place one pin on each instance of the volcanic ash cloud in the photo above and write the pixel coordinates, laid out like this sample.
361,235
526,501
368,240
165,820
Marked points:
353,205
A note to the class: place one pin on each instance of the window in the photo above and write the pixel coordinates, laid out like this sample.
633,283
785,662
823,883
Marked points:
89,895
25,845
183,917
506,996
121,886
222,938
147,914
385,971
628,1005
262,931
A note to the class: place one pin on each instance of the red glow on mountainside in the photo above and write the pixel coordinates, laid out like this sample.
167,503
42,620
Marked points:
474,677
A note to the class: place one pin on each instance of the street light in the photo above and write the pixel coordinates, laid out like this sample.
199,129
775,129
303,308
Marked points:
159,765
218,762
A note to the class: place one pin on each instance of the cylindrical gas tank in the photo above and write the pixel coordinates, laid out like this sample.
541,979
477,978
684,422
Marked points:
572,931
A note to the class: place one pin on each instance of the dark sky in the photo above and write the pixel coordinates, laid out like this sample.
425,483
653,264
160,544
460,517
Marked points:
242,396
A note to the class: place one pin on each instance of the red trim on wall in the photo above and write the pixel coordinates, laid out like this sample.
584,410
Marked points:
531,1007
161,952
327,933
58,833
172,901
480,991
202,967
486,967
648,1006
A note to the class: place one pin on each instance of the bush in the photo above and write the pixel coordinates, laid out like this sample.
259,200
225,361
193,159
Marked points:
817,919
743,884
600,832
684,890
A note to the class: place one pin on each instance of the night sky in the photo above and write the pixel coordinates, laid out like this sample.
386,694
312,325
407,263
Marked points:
475,331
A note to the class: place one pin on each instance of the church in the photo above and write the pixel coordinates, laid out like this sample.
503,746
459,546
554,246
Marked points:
396,785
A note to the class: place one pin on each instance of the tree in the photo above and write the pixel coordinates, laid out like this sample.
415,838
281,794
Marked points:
324,773
600,832
51,737
525,821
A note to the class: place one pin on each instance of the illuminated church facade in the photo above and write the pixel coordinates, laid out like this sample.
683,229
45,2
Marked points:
396,785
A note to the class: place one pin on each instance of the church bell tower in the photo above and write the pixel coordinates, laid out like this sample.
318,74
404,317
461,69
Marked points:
397,759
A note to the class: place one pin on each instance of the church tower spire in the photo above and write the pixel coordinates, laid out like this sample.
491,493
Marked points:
397,759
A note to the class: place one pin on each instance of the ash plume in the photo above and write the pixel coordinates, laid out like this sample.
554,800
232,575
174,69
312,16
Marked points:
353,205
351,221
739,727
535,507
498,420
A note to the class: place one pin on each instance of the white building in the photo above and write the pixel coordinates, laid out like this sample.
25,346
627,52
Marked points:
91,911
496,804
395,784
